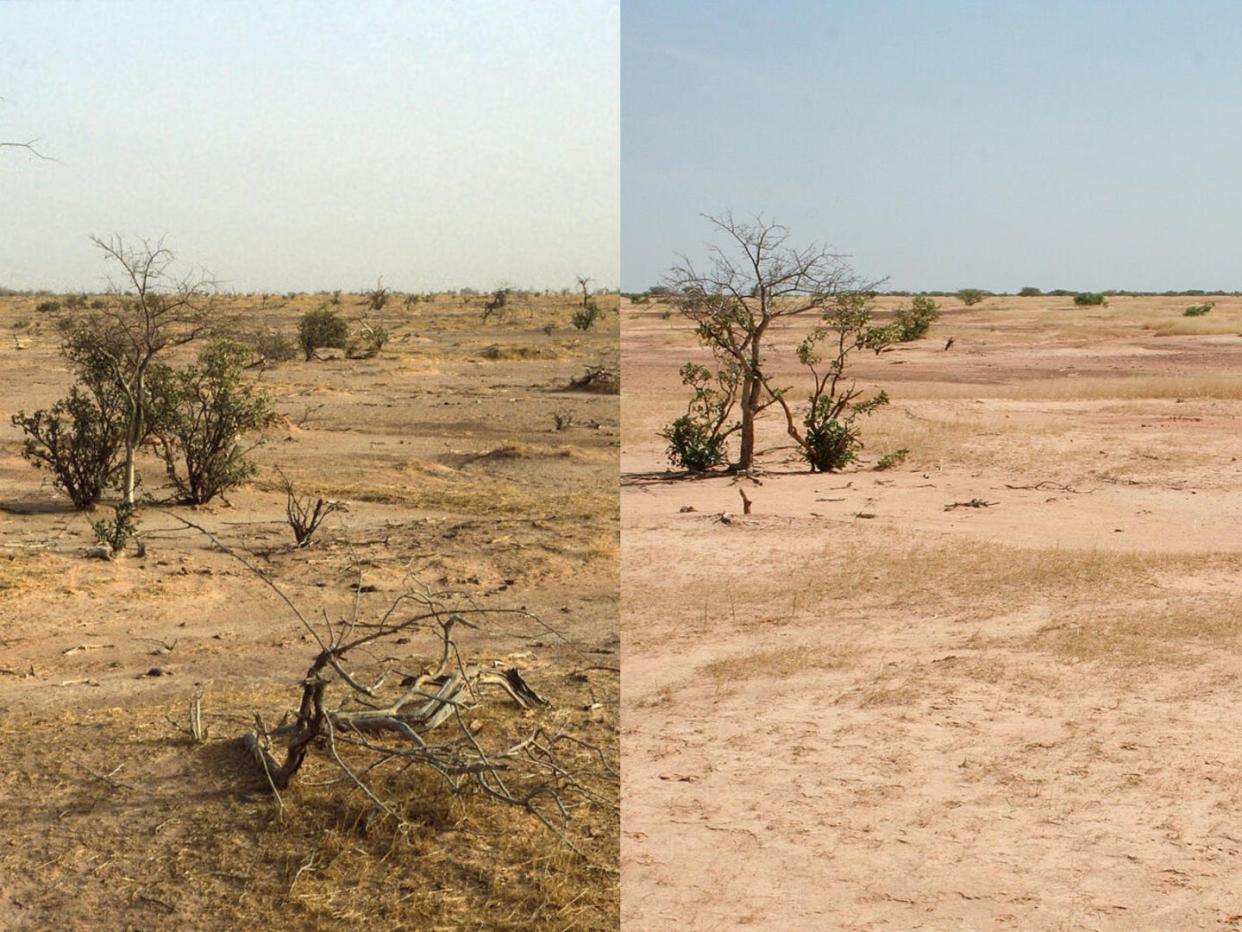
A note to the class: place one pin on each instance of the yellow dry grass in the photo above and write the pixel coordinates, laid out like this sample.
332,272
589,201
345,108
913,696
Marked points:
777,662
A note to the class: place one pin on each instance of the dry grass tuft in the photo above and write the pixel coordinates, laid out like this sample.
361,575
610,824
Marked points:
777,662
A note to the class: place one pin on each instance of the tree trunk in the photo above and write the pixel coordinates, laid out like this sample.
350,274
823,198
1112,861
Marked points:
127,485
752,388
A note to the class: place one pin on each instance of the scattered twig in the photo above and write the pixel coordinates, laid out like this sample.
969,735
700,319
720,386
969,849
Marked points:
973,503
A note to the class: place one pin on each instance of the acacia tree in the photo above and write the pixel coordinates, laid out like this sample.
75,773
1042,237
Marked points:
752,282
148,313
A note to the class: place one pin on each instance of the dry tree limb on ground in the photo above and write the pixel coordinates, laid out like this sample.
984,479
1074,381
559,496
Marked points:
1044,486
973,503
367,716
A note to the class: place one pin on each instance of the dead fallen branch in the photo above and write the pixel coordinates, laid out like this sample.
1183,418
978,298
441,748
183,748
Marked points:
1044,486
973,503
363,710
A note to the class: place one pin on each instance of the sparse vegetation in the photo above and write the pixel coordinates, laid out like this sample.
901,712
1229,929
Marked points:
199,416
1198,310
1090,299
114,533
696,440
892,460
122,344
304,515
971,296
753,283
322,328
589,311
829,438
78,440
912,323
498,301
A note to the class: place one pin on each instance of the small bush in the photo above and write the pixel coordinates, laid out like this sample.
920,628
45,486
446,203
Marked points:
78,440
693,445
912,323
273,347
892,460
374,338
1198,310
322,328
1090,299
696,440
377,297
1029,292
303,515
47,307
117,532
498,301
585,317
970,296
199,415
832,442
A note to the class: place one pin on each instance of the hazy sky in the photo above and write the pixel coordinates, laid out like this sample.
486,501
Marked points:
315,145
1083,145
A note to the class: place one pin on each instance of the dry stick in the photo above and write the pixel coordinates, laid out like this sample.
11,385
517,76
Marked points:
746,502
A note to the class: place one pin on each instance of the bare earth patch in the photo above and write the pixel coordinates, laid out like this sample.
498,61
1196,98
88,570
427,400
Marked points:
856,708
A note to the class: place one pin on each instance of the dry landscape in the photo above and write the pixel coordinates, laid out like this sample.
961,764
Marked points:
468,462
996,686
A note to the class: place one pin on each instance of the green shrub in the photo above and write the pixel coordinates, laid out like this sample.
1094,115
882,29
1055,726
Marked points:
970,296
912,323
322,328
78,440
117,532
1198,310
832,441
892,460
585,316
696,440
47,307
1029,292
1090,299
199,415
693,445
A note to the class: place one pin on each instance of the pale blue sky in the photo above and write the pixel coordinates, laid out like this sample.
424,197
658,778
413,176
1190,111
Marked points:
315,145
996,144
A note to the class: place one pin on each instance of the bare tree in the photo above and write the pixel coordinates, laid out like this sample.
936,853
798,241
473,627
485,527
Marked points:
150,312
752,282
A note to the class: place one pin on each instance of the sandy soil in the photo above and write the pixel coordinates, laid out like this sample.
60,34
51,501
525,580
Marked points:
860,708
446,451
